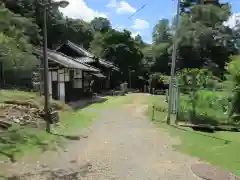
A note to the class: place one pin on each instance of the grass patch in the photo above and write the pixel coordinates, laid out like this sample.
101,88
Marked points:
26,140
18,141
30,97
220,148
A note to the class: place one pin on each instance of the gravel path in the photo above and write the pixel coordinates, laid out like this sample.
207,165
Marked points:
121,145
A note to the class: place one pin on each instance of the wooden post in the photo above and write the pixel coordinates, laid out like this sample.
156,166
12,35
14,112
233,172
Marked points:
167,92
153,112
2,78
178,105
174,99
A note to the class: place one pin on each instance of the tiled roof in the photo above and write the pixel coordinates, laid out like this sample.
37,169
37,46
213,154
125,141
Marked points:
85,59
79,49
116,68
99,75
108,64
105,63
89,56
66,61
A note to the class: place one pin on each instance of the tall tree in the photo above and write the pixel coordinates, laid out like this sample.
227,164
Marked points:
203,39
96,45
59,28
100,24
161,31
120,48
139,41
162,40
15,46
16,57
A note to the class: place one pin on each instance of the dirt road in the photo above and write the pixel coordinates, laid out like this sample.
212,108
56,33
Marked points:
121,145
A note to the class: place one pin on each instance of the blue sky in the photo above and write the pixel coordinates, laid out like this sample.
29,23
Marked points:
151,13
118,11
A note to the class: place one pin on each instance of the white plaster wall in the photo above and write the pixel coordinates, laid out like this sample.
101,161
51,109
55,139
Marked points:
61,76
64,75
78,73
54,76
62,91
50,84
77,83
67,75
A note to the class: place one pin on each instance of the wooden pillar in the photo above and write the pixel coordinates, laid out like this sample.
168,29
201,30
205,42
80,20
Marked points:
50,84
61,85
58,86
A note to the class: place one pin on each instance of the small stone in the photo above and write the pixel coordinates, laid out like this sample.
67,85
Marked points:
73,161
16,120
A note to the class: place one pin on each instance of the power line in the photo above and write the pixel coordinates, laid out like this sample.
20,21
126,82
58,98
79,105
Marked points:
142,7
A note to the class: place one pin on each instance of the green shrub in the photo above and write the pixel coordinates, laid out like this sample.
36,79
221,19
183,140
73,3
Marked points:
233,82
194,79
202,102
210,107
157,80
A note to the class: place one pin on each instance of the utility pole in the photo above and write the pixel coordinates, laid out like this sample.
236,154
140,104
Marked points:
45,7
46,78
174,57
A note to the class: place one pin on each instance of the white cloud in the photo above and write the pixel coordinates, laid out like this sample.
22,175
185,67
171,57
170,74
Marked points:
124,7
78,9
233,20
112,4
140,24
134,34
121,7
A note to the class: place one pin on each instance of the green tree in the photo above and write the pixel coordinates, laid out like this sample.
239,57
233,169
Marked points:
15,48
120,48
233,81
96,46
158,53
138,39
161,32
100,24
203,40
77,31
161,58
59,28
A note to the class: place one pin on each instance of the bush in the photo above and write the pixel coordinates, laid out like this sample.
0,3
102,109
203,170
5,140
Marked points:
211,107
158,81
233,82
194,79
202,102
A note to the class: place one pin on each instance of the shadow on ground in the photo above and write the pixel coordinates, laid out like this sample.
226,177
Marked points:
206,135
191,131
83,103
54,174
70,137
